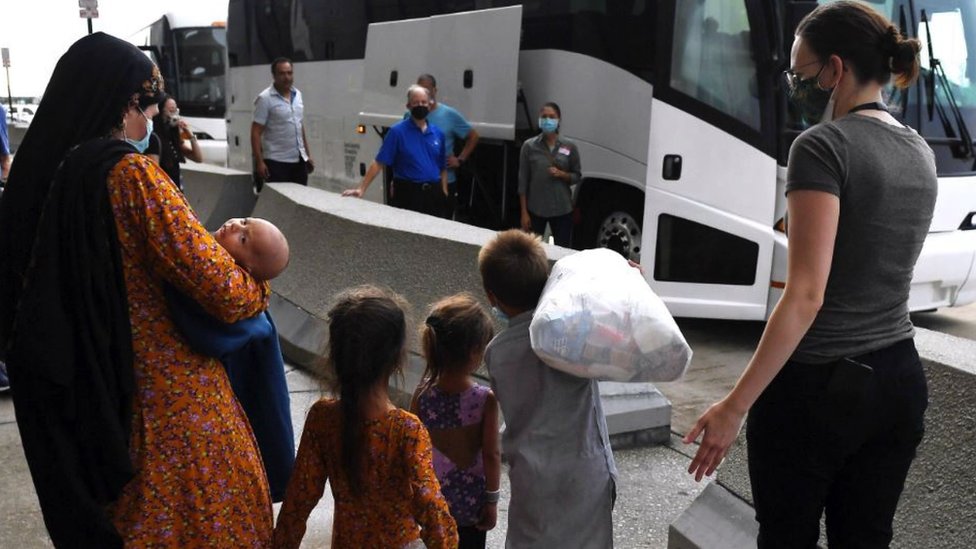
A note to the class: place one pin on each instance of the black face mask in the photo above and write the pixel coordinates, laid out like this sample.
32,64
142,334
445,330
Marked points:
809,99
419,112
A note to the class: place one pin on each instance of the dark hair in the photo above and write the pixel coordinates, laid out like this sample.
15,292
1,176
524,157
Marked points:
873,47
428,77
456,327
158,122
367,336
163,99
554,107
278,61
515,268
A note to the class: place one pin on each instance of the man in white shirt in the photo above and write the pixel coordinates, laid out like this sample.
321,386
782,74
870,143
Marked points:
278,140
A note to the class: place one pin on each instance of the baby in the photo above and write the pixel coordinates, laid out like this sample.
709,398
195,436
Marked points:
249,348
256,244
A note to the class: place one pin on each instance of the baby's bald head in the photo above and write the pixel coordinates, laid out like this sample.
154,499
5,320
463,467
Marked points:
256,244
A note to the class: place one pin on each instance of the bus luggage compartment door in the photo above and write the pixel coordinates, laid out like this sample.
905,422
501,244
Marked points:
473,55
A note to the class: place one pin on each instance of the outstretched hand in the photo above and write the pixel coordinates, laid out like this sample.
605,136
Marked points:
720,425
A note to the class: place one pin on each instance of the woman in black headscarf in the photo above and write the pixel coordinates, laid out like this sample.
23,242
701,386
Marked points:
131,438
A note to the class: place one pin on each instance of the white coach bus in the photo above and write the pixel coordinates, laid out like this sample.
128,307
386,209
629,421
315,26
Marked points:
190,48
678,107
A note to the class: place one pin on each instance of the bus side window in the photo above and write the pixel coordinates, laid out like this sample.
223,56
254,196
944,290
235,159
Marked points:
713,59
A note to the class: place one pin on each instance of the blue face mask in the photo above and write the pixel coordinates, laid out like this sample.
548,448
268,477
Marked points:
548,125
143,143
499,314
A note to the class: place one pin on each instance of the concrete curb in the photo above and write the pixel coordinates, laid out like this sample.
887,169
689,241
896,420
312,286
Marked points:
717,518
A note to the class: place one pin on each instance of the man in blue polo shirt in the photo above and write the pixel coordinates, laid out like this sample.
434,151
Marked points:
416,152
455,126
4,150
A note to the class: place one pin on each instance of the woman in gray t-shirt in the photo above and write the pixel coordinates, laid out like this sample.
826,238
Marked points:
549,165
835,390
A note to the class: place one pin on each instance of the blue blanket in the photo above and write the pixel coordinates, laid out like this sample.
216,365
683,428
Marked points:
251,355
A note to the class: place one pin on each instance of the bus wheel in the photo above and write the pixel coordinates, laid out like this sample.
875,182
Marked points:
621,232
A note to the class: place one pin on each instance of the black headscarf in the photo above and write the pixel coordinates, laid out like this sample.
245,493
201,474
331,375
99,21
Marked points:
89,92
64,321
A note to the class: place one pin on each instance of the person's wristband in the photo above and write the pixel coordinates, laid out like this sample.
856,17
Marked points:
491,497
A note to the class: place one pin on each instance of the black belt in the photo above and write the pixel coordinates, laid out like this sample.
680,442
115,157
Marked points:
424,185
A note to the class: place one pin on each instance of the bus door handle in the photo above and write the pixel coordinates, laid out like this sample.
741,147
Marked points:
671,170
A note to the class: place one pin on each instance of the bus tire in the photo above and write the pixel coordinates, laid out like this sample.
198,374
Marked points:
617,222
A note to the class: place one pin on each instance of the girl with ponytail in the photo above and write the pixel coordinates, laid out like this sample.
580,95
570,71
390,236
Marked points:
835,392
377,457
461,416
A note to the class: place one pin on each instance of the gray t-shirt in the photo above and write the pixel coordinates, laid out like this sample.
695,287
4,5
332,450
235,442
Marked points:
546,195
885,178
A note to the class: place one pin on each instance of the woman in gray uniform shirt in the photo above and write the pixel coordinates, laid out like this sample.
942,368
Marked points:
835,391
549,165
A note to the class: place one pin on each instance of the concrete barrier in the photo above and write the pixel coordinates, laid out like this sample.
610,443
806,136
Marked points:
938,506
217,194
341,242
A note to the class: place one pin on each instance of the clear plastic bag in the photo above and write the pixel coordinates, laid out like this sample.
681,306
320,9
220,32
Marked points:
597,318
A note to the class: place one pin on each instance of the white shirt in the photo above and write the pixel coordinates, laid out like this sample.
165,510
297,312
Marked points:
282,120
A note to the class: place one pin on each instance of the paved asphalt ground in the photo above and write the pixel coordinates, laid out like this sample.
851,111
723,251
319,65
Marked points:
653,487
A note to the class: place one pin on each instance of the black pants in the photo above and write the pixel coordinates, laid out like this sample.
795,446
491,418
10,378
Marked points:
819,440
425,198
561,226
287,172
470,537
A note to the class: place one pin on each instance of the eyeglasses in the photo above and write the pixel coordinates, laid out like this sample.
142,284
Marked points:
793,79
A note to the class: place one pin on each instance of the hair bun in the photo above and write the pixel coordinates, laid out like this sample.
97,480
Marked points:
902,56
891,40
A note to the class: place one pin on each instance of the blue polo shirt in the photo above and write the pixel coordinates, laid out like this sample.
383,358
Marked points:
453,124
4,140
414,155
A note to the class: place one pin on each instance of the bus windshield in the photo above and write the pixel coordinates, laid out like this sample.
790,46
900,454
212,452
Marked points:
200,54
951,24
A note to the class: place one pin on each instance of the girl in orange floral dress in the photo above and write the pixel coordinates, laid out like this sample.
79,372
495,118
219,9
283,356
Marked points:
377,457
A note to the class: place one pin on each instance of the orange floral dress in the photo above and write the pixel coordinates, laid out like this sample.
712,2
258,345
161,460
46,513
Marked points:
199,480
402,499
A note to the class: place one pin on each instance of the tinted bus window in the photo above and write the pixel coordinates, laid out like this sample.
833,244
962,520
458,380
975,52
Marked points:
620,32
200,52
713,60
258,31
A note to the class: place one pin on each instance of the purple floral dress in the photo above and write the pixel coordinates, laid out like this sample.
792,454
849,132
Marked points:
463,488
